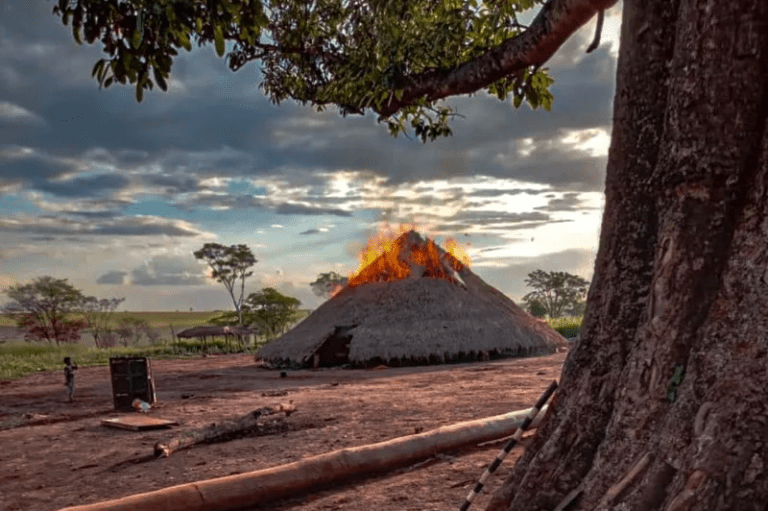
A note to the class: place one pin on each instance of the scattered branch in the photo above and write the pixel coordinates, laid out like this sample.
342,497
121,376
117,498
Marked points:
598,30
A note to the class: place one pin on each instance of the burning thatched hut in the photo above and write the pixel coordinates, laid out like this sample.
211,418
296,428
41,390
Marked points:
414,304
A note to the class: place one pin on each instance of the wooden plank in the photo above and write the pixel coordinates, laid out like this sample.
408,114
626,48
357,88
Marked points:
138,422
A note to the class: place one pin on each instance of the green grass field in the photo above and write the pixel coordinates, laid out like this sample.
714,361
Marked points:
183,319
154,319
567,327
18,358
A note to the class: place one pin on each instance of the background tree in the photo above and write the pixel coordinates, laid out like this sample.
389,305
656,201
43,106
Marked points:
271,310
327,284
556,291
682,246
535,308
227,265
97,314
577,309
132,330
44,309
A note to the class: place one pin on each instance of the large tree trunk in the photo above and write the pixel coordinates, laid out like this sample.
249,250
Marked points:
681,282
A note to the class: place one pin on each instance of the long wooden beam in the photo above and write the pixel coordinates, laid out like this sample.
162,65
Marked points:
248,489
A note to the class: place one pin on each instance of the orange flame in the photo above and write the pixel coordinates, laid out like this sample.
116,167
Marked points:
458,251
336,289
389,255
380,243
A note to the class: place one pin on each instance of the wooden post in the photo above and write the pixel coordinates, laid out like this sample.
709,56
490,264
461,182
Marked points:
249,489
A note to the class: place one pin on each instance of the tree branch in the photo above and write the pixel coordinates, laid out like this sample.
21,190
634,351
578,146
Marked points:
555,23
596,41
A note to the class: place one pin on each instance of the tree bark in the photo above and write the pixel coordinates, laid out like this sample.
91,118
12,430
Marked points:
662,403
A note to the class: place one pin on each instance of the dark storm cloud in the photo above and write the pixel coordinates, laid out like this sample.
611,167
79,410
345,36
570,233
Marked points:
586,174
125,226
311,231
302,209
168,271
18,166
83,186
257,202
492,217
94,214
129,157
112,277
462,226
568,202
43,71
132,226
503,192
173,183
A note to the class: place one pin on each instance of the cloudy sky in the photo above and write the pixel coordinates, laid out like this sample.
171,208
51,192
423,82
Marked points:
115,195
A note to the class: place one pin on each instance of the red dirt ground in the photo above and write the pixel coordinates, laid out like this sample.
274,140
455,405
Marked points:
56,454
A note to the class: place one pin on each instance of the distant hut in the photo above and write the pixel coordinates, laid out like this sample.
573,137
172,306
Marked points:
216,331
415,304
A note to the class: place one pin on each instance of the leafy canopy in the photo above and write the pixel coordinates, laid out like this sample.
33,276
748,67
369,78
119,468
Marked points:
356,54
556,291
272,310
43,307
97,314
227,265
268,311
327,284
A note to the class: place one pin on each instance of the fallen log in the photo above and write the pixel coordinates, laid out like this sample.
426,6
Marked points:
240,491
221,430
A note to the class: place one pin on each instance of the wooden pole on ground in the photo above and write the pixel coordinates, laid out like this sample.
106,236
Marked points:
241,491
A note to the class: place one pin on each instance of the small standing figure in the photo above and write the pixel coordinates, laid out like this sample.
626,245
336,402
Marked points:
69,376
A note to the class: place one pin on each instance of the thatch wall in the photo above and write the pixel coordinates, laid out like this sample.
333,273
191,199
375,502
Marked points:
417,320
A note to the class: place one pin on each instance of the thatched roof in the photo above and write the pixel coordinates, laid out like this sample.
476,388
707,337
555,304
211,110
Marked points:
210,331
417,319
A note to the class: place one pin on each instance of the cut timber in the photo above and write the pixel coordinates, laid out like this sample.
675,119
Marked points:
138,422
220,430
252,488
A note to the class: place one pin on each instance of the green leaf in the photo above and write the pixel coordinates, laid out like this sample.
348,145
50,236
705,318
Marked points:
76,34
517,101
139,92
199,24
218,37
97,67
183,41
160,80
136,39
533,99
399,94
546,101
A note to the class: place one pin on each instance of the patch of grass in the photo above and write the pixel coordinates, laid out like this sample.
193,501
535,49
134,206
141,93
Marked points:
20,358
163,319
567,327
154,319
7,320
181,319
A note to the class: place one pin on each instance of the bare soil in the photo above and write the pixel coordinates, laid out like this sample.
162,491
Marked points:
55,454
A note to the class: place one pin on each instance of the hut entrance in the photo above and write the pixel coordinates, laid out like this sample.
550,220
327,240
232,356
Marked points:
335,350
